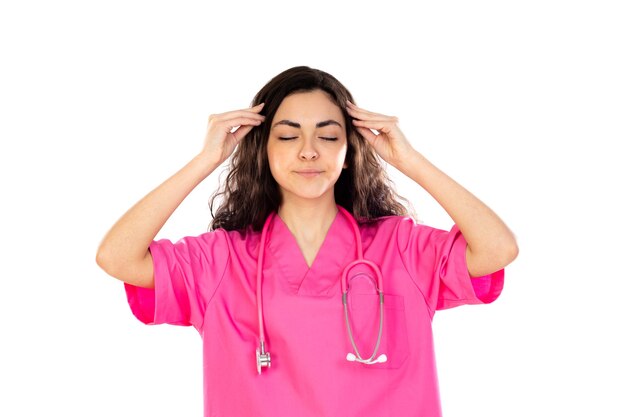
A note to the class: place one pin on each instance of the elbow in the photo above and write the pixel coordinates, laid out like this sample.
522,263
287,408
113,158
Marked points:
492,258
508,252
512,249
102,259
514,252
107,261
135,272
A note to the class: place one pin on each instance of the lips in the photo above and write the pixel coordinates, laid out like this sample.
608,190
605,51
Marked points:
309,173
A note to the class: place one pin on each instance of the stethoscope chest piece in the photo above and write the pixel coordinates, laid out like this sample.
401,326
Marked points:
263,359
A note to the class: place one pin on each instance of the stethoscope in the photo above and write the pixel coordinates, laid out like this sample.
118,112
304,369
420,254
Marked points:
263,359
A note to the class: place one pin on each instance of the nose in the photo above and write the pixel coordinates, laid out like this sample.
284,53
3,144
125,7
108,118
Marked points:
308,151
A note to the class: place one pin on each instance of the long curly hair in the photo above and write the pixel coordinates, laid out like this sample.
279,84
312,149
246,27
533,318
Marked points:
250,192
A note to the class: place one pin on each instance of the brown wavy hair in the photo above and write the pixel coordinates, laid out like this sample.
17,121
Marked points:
250,192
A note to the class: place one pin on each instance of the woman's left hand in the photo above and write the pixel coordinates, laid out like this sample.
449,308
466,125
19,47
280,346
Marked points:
390,143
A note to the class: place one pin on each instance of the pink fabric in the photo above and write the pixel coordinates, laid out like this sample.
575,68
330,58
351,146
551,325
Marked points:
209,282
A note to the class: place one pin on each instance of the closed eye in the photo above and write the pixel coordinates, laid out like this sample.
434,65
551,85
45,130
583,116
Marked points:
294,137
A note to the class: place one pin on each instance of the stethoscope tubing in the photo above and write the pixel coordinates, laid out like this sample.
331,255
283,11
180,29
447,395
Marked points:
263,357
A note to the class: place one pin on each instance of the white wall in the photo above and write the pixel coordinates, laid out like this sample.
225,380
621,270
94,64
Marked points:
521,102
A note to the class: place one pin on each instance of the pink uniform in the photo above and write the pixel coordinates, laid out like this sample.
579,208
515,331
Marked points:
209,282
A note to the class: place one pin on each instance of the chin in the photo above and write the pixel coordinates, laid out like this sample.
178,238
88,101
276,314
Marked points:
313,195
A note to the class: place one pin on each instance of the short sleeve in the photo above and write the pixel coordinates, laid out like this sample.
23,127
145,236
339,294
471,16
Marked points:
436,261
186,275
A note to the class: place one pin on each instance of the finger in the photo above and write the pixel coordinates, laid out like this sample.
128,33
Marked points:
235,114
365,114
380,125
238,121
362,115
241,132
367,134
258,107
251,112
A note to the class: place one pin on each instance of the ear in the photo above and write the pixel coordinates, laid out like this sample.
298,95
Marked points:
345,165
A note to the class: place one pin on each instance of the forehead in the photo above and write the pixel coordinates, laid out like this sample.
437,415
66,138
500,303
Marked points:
310,106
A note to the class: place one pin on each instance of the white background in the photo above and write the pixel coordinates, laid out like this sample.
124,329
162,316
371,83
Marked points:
523,103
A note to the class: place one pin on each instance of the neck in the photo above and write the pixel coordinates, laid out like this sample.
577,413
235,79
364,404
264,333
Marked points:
308,222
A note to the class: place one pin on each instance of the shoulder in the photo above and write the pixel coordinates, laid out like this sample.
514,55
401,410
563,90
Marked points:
240,240
387,224
231,239
235,235
387,227
400,229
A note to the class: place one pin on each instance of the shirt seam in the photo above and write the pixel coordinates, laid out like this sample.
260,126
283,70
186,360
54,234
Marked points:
431,313
219,283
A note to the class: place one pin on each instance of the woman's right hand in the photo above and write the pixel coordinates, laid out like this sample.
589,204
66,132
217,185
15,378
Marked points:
220,142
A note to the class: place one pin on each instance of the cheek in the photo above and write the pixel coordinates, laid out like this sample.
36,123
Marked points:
341,155
275,160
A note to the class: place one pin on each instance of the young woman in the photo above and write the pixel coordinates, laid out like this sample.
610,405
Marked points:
310,257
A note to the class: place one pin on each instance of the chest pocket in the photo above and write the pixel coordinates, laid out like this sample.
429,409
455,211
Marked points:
364,310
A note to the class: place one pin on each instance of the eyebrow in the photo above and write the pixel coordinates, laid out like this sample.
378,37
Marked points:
318,125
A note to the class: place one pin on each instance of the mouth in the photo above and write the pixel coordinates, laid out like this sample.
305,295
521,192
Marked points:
309,173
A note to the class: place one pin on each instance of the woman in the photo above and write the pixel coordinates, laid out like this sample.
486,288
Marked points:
275,272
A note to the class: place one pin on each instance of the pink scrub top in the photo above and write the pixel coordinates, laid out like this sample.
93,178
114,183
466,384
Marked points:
209,282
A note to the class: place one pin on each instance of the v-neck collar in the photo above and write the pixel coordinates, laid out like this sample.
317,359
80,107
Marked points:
325,272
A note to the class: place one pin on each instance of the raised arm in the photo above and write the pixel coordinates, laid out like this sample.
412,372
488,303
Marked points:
490,244
123,252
